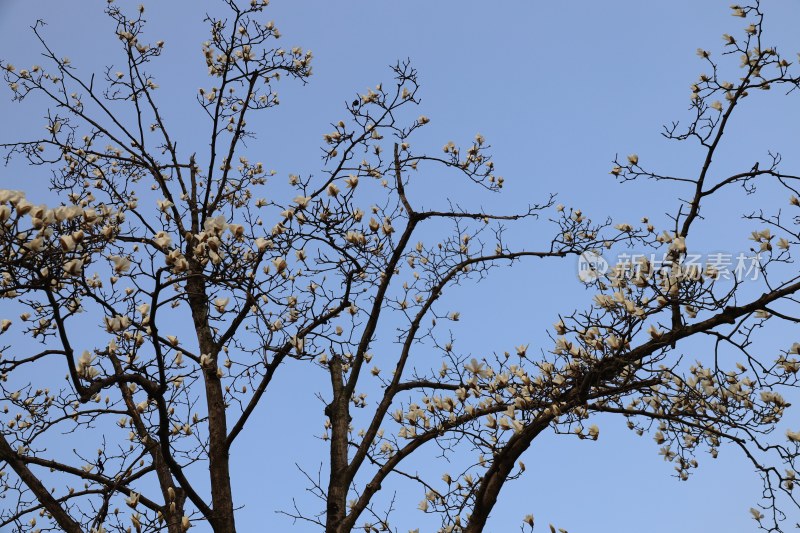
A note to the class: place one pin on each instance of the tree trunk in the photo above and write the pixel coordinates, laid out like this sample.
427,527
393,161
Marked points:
340,422
218,458
497,475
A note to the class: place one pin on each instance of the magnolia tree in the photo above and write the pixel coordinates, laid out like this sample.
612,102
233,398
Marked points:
148,242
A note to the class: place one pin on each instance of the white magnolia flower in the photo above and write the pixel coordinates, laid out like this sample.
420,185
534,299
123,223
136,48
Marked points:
351,182
132,500
302,201
73,267
117,323
477,368
355,237
678,245
654,332
163,204
35,245
67,243
216,225
280,264
298,343
84,367
278,228
221,303
121,264
614,342
163,239
9,196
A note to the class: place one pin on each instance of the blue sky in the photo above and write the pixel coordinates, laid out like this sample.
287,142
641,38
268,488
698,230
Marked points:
557,88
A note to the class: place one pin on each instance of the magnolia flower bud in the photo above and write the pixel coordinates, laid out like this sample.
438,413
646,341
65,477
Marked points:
132,500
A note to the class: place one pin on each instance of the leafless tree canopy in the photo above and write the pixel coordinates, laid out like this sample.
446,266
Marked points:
147,236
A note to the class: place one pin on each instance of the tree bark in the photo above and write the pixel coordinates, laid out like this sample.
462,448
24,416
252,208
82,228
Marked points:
222,519
340,421
497,475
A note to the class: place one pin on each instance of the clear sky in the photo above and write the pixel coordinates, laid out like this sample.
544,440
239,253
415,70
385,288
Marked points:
558,88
